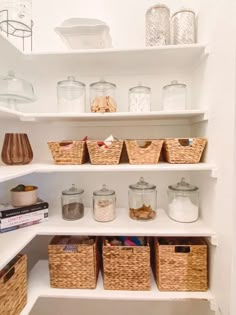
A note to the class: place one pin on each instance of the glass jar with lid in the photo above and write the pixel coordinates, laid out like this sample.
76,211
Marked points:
71,96
140,99
142,200
183,203
104,204
174,96
158,25
102,97
72,201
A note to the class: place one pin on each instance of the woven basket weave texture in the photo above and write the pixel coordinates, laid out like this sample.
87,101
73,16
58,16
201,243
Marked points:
104,156
149,154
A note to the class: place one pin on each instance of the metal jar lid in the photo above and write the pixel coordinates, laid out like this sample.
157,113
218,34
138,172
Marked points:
104,191
73,190
142,185
183,186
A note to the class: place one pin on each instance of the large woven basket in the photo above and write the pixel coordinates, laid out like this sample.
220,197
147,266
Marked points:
13,287
73,266
68,152
148,152
126,267
184,151
181,266
104,156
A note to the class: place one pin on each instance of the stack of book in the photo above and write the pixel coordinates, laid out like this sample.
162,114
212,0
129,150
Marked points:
12,218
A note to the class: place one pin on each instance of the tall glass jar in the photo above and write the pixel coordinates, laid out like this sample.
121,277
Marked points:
183,202
102,97
174,96
72,201
71,96
140,99
158,25
183,27
104,204
142,200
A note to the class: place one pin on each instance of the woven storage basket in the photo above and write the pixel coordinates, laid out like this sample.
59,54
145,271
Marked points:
104,156
126,267
73,266
13,287
68,152
149,153
181,267
184,151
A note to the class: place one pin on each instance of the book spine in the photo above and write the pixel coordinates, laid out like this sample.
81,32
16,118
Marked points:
23,210
16,227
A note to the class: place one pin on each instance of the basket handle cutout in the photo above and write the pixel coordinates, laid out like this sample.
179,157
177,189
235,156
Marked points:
65,144
8,276
70,249
127,250
143,144
186,142
182,249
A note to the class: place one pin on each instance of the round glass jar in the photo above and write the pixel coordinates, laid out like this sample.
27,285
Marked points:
183,203
174,96
158,25
140,99
102,97
104,205
71,96
142,201
72,203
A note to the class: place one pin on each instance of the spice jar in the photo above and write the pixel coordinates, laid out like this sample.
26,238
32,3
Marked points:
158,25
102,97
174,96
142,200
183,202
140,99
72,203
183,27
71,96
104,204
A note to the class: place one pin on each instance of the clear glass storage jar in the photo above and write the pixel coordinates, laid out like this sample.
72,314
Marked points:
104,204
140,99
72,202
71,96
183,203
142,200
158,25
102,97
183,27
174,96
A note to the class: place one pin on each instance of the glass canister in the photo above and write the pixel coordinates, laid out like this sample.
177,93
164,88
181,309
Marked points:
183,27
104,204
72,203
140,99
71,96
158,25
102,97
183,202
174,96
142,200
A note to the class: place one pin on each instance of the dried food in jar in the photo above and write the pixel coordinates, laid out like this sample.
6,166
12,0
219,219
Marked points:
143,213
103,104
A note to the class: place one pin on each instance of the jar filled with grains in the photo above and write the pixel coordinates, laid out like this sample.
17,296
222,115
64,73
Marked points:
140,99
104,204
72,203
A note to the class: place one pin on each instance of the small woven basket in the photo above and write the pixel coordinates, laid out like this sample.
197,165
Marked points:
126,267
184,151
68,152
13,287
104,156
73,266
146,153
182,266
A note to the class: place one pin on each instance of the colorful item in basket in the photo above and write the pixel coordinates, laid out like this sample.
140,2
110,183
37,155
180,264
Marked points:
103,104
107,142
125,241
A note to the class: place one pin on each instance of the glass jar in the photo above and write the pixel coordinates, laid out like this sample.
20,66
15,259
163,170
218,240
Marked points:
102,97
71,96
183,27
72,203
104,205
174,96
158,25
142,200
139,99
183,203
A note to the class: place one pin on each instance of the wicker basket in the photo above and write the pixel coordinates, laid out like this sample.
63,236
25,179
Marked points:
147,153
68,152
184,151
126,267
13,287
73,266
181,267
104,156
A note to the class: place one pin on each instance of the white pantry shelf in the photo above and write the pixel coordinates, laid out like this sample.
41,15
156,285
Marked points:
39,286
